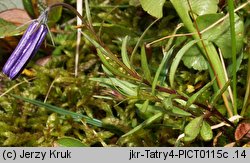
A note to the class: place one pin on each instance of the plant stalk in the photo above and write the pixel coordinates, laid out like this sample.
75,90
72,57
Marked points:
207,49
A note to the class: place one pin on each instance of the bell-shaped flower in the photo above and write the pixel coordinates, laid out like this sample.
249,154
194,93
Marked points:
27,47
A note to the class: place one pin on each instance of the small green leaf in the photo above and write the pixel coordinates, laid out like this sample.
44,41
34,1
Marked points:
55,15
199,7
194,97
192,130
167,102
140,41
180,112
87,8
70,142
109,66
127,88
219,93
144,65
149,111
152,7
144,124
145,106
238,63
206,131
170,109
159,70
116,30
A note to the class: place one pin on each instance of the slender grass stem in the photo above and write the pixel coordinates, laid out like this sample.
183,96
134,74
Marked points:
139,41
78,39
247,94
233,43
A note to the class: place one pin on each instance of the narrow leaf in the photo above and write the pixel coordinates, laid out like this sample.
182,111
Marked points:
70,142
145,106
151,110
167,103
144,65
140,40
104,53
219,93
125,87
87,8
144,124
163,62
177,60
193,98
109,66
180,112
61,111
125,57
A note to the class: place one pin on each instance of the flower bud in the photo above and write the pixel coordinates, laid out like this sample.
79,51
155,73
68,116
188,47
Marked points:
26,49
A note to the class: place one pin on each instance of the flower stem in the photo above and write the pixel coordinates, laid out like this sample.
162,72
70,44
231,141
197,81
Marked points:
233,43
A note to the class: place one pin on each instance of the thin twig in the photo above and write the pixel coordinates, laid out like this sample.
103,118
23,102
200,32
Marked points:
48,92
226,76
14,86
78,39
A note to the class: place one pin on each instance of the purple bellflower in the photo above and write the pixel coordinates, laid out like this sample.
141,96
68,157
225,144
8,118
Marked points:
27,47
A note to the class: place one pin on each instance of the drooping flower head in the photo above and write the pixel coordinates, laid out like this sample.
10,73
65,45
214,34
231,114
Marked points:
27,47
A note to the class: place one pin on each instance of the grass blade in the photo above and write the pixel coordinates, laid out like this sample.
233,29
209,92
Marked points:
144,65
219,93
144,124
139,41
247,94
157,74
61,111
177,60
233,42
193,98
88,12
113,70
125,57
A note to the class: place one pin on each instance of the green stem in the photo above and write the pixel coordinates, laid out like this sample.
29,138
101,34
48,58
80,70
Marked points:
233,42
207,49
247,94
139,41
